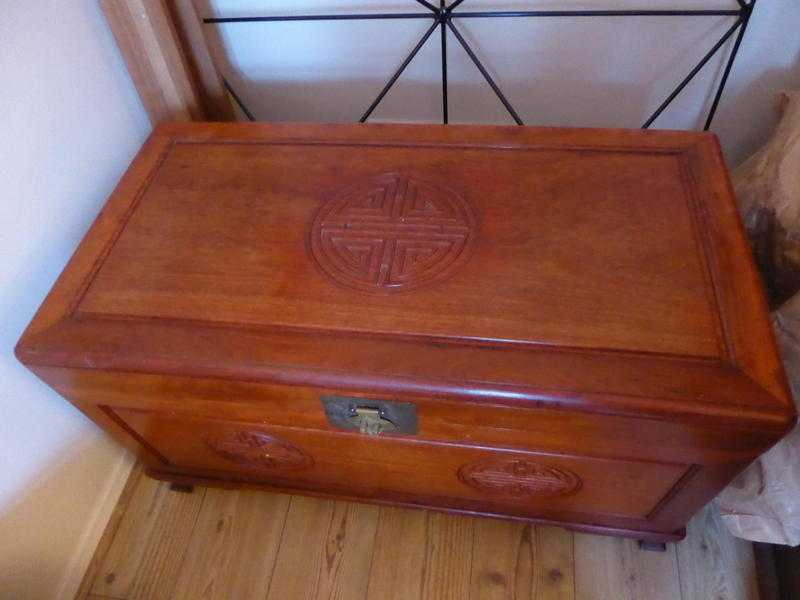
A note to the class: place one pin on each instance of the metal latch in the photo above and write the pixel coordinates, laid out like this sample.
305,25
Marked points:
370,417
370,421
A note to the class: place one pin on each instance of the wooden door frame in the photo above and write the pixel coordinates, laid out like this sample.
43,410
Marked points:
165,50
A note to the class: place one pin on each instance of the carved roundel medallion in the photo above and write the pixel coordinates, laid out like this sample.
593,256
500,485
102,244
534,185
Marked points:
257,449
392,233
519,478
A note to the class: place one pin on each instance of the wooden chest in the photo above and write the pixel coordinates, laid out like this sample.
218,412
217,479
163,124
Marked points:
556,325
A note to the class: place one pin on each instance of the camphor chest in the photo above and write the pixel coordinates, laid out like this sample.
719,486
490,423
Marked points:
556,325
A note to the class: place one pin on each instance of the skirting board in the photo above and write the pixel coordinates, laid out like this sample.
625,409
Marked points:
106,502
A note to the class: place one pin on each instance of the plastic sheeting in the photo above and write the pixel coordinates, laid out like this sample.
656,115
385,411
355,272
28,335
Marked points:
763,503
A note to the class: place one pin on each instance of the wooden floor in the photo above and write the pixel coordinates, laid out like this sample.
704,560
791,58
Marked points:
245,544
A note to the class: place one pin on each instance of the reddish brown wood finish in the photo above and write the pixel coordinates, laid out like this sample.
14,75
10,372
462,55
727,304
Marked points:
573,313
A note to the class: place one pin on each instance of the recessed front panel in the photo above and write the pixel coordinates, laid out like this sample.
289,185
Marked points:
521,481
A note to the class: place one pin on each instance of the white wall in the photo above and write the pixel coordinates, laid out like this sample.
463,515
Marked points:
70,121
605,72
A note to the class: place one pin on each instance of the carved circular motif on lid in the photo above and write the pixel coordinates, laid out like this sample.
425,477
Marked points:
257,449
392,233
519,478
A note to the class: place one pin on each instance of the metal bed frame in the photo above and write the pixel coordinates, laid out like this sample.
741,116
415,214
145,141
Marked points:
443,15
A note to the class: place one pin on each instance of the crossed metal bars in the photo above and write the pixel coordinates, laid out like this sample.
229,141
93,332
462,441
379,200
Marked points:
443,15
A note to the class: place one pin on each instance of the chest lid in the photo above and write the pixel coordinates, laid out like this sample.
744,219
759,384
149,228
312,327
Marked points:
595,269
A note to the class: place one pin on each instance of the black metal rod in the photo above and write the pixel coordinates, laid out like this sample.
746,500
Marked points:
596,13
728,67
343,17
444,14
399,71
238,100
480,14
443,29
428,5
485,73
692,73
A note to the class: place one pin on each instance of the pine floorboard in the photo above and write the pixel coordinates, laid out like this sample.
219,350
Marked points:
215,544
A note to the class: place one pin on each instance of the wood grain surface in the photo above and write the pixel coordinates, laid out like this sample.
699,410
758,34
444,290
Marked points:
246,545
233,548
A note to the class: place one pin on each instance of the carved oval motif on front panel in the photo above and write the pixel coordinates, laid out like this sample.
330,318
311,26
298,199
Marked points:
392,233
519,478
256,449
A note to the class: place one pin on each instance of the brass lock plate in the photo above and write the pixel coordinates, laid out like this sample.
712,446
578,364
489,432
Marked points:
369,416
